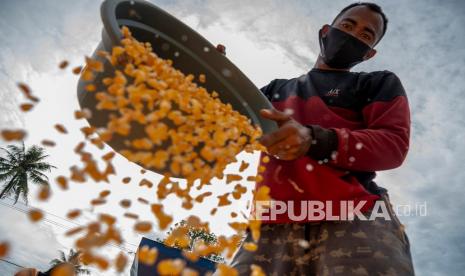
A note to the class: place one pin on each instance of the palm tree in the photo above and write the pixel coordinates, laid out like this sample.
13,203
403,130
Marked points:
72,258
19,166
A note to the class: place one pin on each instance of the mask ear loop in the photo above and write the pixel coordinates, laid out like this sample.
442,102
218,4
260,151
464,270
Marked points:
322,45
364,57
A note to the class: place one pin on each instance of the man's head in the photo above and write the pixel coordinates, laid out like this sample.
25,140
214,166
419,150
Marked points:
364,21
62,269
367,18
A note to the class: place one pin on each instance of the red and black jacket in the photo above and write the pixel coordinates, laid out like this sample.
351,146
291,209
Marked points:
360,124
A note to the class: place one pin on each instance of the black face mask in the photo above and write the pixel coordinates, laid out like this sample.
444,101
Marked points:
341,50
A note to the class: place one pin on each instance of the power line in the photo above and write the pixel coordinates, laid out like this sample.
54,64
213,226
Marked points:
67,228
10,262
62,218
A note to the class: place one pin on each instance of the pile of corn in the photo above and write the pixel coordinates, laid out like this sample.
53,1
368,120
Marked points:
202,133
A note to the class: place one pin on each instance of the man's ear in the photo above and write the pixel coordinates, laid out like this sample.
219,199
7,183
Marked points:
370,54
325,29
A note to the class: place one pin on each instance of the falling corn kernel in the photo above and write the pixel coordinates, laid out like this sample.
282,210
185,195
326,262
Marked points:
48,143
257,270
73,214
145,182
60,128
121,262
147,255
62,182
225,270
143,227
44,193
77,70
35,215
143,200
102,263
244,166
25,89
213,211
107,219
4,249
233,177
163,219
74,231
63,64
27,92
108,156
250,246
104,193
90,88
13,135
239,226
26,107
223,200
98,201
82,114
131,215
188,271
170,267
201,197
125,203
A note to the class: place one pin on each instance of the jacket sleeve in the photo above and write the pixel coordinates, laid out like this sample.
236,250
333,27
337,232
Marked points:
271,90
383,143
266,90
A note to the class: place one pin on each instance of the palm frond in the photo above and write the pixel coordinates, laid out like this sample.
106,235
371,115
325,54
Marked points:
12,158
25,192
34,154
17,194
5,161
9,187
17,151
38,177
22,187
41,166
5,167
7,175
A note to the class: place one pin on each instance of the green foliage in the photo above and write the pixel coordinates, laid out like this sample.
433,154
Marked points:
19,167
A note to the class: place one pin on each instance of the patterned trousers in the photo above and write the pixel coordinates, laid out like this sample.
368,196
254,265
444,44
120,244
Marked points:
372,247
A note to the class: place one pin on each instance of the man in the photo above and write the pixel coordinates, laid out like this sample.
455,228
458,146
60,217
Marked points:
336,128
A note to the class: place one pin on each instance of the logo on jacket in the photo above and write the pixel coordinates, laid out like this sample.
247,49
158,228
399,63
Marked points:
333,92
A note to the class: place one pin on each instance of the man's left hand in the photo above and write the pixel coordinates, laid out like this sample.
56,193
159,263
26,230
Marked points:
291,141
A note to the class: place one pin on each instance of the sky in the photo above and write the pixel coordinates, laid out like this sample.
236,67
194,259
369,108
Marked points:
266,40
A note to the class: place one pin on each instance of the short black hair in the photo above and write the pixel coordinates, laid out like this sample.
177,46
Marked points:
372,6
